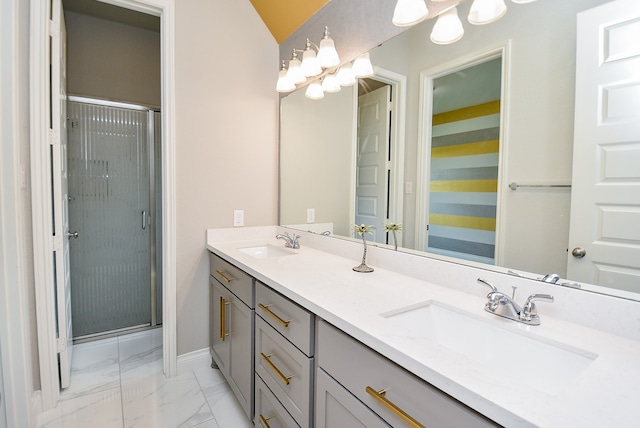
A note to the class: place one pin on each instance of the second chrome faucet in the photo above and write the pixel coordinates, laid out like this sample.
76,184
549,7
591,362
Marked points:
502,305
290,242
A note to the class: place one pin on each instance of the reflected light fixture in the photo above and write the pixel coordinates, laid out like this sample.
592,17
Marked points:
409,12
295,74
284,84
345,75
448,28
362,66
310,64
486,11
314,91
330,84
327,53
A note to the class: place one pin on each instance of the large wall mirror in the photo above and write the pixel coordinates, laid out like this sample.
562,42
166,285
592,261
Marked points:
509,87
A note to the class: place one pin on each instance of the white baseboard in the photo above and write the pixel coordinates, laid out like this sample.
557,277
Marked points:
193,360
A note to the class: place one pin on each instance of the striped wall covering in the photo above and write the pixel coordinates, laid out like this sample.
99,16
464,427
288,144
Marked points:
464,182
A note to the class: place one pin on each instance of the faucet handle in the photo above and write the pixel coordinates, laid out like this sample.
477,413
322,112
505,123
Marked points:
485,282
529,311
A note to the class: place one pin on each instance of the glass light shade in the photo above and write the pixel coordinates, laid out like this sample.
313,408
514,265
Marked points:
310,64
295,73
520,1
284,84
330,84
345,75
314,91
448,28
362,66
409,12
486,11
327,54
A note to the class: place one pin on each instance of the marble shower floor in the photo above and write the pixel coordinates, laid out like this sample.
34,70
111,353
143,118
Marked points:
118,383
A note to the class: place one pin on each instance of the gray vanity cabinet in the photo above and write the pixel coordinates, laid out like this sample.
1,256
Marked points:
337,408
284,353
231,326
392,393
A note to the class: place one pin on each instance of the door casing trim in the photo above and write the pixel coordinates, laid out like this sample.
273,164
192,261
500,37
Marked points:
40,182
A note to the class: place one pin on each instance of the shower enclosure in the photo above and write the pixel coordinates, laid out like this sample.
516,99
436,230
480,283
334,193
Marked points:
114,206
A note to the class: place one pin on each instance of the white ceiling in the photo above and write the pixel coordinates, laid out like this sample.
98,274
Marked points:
113,13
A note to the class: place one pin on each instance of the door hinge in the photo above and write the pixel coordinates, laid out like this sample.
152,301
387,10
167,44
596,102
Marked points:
54,29
61,344
54,137
57,243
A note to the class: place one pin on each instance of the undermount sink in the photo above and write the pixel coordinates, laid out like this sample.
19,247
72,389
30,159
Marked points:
265,251
543,364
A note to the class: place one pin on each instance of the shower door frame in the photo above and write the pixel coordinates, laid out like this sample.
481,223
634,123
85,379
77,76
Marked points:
150,110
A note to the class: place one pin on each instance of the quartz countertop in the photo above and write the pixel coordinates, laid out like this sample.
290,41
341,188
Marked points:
605,393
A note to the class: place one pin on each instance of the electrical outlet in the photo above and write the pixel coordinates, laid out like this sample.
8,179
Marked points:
311,215
238,218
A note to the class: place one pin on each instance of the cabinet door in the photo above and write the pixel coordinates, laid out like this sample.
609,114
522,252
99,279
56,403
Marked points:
338,408
240,329
220,302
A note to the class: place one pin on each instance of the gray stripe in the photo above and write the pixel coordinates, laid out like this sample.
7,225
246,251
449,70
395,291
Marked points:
484,250
466,137
476,198
484,211
475,235
482,173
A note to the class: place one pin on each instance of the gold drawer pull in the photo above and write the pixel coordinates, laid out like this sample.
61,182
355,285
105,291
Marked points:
379,396
224,277
267,359
223,317
284,323
263,421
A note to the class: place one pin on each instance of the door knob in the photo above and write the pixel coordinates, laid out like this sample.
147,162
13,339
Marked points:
578,252
72,235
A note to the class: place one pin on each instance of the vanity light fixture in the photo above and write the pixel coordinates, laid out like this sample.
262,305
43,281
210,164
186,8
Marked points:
362,66
486,11
448,28
310,64
345,75
284,84
330,84
314,91
295,73
409,12
327,53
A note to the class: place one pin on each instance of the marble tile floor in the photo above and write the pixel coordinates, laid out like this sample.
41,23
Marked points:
118,383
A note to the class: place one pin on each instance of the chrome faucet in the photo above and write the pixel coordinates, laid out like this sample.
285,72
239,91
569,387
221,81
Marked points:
502,305
290,242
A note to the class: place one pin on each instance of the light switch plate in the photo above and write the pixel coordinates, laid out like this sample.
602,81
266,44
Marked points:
311,215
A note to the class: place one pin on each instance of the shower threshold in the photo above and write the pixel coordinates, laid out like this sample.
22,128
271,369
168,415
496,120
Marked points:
114,333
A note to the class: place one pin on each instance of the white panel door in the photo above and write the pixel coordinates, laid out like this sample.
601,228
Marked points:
60,193
372,162
605,203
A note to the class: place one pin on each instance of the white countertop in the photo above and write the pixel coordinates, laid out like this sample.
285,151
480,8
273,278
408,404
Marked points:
605,394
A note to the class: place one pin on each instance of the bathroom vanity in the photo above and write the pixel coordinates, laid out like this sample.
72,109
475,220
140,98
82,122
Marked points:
305,341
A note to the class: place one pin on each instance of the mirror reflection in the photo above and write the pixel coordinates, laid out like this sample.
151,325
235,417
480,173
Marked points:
514,80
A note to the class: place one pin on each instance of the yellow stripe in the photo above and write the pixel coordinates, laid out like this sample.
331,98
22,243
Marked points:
468,149
464,186
492,107
283,17
466,222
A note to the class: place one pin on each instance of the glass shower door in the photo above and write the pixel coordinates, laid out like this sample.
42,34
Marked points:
109,206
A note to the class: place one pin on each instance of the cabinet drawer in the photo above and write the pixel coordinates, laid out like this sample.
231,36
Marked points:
427,405
269,411
286,317
238,282
285,370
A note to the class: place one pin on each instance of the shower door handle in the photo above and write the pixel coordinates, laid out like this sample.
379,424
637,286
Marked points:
144,219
